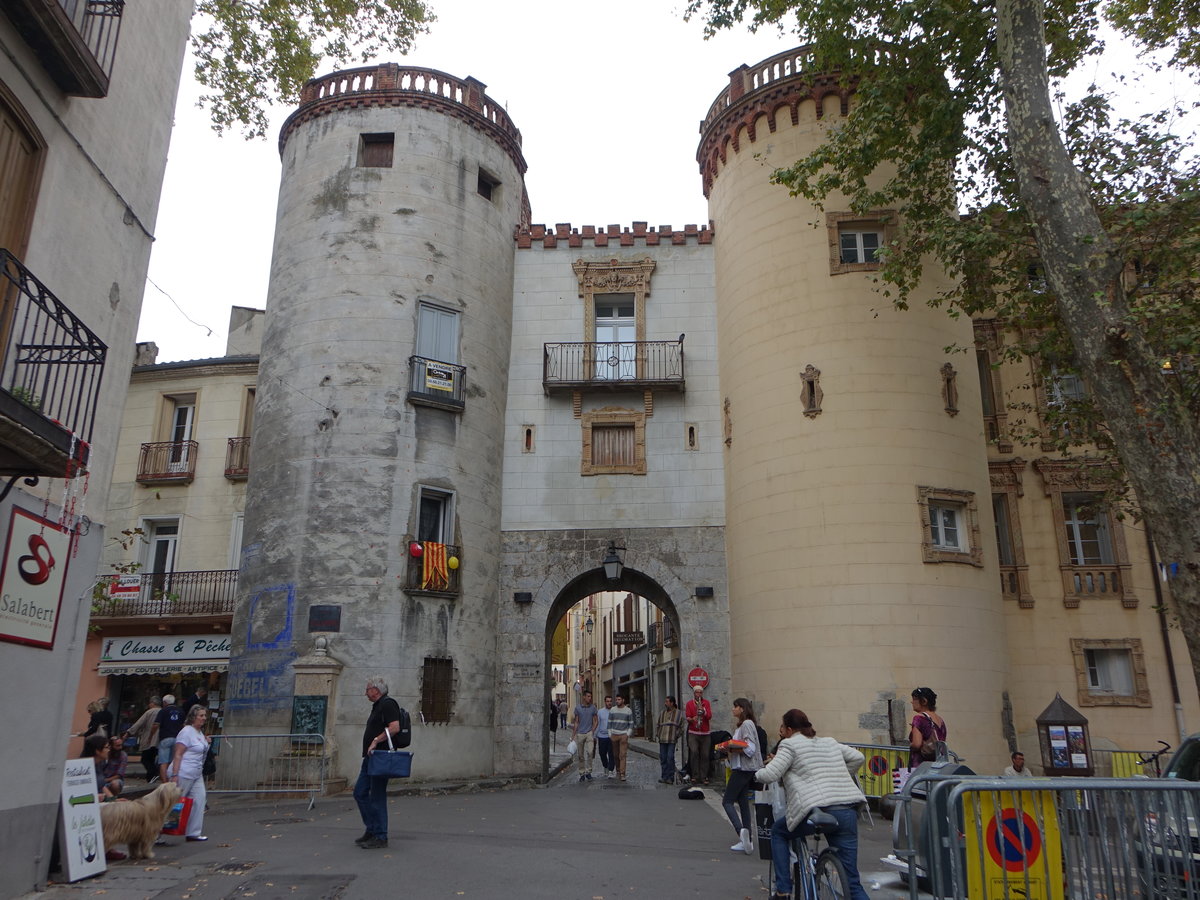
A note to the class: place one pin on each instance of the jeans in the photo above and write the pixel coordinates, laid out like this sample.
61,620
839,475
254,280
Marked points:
844,841
699,755
737,796
621,746
585,747
666,760
370,793
194,788
606,755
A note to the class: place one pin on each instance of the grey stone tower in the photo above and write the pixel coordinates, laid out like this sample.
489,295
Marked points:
380,412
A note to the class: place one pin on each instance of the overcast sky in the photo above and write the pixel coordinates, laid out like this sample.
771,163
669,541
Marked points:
608,98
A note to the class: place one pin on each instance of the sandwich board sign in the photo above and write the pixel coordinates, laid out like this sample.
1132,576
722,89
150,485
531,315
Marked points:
80,840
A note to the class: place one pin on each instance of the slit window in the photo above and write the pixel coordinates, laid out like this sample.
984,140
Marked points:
488,185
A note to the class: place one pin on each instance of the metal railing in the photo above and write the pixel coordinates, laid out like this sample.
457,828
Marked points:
1051,837
168,462
663,634
99,24
1128,763
204,593
436,383
267,764
53,362
237,458
877,775
415,576
627,365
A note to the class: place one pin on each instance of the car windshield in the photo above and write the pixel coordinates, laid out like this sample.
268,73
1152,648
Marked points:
1185,764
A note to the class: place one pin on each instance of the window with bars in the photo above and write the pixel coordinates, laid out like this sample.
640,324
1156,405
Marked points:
437,689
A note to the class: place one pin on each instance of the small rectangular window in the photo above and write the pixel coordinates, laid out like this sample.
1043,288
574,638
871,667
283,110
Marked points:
945,526
613,445
1109,672
375,151
435,516
488,185
1004,536
1086,521
950,521
437,689
860,246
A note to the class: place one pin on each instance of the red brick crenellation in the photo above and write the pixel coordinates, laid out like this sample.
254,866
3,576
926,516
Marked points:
611,236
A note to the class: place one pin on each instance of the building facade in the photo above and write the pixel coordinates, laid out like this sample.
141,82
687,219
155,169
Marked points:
86,122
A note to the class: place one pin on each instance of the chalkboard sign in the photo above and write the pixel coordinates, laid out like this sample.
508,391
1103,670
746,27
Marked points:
308,714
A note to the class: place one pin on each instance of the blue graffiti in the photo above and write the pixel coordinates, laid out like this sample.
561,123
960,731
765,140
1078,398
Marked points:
269,597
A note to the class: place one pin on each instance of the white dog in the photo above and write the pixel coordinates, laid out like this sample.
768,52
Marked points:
138,822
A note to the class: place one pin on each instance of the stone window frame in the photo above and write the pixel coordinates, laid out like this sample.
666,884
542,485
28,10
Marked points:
614,416
928,497
437,702
613,276
988,344
1137,663
1065,476
883,220
1005,476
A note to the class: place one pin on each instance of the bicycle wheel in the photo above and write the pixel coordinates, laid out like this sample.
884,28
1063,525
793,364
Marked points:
832,883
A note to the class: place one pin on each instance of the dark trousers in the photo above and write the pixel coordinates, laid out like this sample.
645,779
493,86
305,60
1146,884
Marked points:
699,755
370,792
604,746
150,761
844,841
737,798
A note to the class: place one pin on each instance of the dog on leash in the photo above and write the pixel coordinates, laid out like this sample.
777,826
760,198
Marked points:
138,822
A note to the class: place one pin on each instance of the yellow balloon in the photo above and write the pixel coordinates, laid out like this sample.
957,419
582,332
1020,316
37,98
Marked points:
452,562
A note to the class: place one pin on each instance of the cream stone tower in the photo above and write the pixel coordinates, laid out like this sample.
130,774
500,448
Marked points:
857,492
380,412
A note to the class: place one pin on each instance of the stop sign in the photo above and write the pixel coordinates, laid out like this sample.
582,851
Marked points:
698,677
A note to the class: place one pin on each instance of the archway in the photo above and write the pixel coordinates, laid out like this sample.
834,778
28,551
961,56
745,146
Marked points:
647,686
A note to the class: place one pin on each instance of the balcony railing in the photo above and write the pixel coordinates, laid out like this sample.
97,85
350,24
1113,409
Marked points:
415,576
210,593
1107,582
628,365
76,40
434,383
237,459
168,462
663,634
52,367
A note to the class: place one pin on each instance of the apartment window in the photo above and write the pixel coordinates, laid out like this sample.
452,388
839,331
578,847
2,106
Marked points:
437,333
624,307
614,442
1006,553
855,240
1005,476
1087,532
437,689
435,516
1111,672
1063,389
615,337
988,346
487,185
179,416
950,522
375,151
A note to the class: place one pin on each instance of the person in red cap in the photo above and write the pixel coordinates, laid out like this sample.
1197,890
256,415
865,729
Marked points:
699,714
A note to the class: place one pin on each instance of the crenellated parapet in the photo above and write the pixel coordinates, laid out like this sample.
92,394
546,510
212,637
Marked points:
390,84
611,236
774,87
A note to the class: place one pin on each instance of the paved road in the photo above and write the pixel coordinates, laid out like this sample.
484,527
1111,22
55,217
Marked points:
566,841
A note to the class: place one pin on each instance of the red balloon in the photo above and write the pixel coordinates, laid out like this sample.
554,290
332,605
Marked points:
415,549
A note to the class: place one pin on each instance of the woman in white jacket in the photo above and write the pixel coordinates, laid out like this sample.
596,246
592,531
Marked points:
816,772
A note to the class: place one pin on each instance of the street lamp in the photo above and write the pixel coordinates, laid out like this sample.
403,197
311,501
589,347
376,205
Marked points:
589,624
613,565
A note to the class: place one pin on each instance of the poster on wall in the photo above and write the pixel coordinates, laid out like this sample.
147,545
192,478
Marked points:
32,579
80,840
1059,756
1078,747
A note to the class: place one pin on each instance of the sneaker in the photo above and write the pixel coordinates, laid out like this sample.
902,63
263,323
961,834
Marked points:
366,836
744,834
197,837
375,843
589,778
582,779
739,847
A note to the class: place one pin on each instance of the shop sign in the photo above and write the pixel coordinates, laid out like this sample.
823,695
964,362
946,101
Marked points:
628,637
33,578
81,843
171,647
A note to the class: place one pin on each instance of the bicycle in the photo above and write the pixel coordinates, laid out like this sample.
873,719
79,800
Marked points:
1152,757
816,874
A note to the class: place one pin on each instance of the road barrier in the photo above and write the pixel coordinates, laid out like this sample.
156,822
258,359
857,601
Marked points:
270,764
877,774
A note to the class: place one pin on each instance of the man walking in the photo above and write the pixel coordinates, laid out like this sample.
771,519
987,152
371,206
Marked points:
583,734
370,791
603,740
167,726
620,727
141,731
670,724
699,714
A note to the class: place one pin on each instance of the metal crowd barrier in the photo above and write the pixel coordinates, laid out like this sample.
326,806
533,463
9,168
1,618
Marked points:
1051,838
270,764
876,776
1125,763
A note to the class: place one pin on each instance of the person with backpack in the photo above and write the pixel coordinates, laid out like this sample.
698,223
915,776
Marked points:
167,726
928,728
370,791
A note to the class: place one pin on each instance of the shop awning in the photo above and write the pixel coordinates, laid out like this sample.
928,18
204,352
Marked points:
160,667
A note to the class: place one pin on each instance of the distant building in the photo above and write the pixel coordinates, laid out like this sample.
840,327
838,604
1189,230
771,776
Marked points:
85,121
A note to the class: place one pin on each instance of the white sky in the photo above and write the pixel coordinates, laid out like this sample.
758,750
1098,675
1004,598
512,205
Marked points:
608,98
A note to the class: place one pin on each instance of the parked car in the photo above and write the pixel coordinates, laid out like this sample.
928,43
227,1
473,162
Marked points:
1168,842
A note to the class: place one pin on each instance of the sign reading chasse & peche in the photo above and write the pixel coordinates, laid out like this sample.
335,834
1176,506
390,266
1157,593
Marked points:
165,653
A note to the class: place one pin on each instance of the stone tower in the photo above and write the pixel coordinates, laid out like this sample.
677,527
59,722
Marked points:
380,411
857,492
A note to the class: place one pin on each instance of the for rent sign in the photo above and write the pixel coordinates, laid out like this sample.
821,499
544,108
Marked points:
33,577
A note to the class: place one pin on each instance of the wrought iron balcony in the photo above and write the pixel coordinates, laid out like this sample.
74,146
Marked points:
663,634
49,378
434,383
158,595
168,462
76,40
417,581
625,366
237,459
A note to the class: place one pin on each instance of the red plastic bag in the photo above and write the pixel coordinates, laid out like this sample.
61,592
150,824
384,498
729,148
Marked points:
177,818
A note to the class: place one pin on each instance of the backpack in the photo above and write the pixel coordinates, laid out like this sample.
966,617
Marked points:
403,737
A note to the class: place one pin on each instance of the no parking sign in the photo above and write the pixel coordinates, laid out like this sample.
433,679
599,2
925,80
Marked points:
1022,851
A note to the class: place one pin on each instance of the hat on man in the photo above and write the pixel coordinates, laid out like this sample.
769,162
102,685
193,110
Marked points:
699,689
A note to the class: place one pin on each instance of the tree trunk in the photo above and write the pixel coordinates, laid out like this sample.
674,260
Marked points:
1153,431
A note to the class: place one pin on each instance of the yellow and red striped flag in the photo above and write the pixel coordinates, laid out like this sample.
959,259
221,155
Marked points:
434,575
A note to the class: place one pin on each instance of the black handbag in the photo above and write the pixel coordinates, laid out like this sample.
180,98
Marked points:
389,763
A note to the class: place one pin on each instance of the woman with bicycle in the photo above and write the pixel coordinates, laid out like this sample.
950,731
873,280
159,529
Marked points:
816,773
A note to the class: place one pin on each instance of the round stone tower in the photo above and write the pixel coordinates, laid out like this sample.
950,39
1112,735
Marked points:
861,547
373,509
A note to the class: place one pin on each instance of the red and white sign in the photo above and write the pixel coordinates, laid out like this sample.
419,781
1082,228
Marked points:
32,580
698,678
125,586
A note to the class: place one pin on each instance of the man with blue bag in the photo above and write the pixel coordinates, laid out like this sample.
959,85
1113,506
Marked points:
370,791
